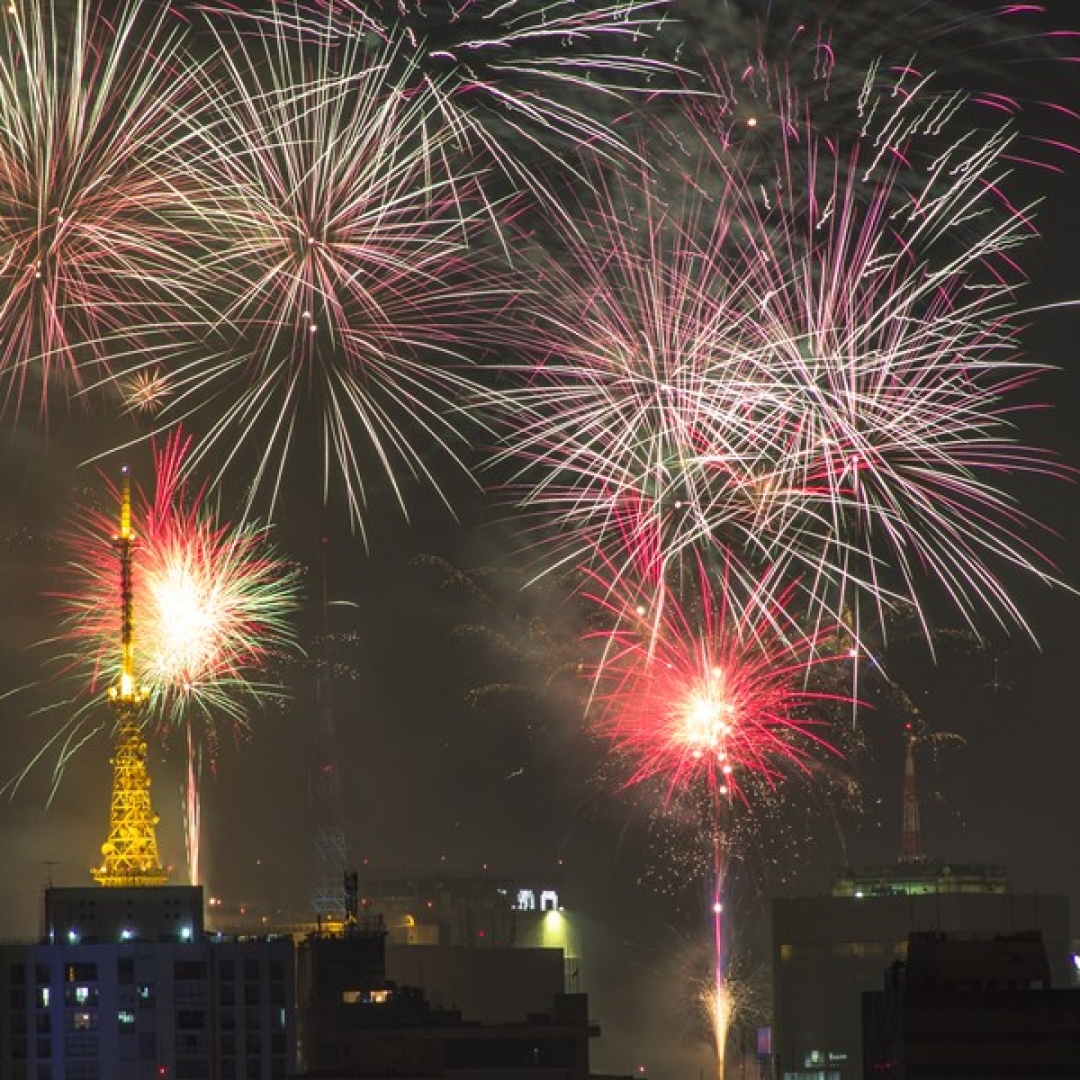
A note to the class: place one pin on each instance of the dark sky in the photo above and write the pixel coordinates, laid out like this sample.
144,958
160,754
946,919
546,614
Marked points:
435,779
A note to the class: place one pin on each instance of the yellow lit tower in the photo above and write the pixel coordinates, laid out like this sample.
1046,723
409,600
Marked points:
130,854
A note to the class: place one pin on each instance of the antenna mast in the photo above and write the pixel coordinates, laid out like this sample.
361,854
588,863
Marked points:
910,846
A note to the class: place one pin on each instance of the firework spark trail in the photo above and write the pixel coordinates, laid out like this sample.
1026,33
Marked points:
88,243
820,376
333,272
519,80
193,809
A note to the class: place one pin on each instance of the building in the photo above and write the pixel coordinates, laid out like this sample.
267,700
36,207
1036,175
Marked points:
355,1021
827,951
124,985
972,1005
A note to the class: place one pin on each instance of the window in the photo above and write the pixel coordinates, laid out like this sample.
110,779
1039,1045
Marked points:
190,1019
189,969
80,973
84,1020
125,1017
81,995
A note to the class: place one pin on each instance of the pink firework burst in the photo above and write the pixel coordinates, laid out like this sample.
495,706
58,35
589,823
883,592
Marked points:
521,81
819,374
335,243
89,243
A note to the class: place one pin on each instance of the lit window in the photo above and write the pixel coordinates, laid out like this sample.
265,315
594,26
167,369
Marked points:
82,995
549,900
125,1016
526,900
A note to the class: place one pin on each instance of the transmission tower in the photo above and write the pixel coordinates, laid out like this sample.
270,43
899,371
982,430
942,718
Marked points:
328,894
130,854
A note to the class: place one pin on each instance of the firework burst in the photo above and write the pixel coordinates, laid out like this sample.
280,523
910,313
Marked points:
818,375
213,603
333,271
88,244
704,693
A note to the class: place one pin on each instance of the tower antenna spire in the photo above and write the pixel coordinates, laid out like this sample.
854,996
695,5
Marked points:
130,854
910,843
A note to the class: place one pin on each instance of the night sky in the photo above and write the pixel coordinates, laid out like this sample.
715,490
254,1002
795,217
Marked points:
461,749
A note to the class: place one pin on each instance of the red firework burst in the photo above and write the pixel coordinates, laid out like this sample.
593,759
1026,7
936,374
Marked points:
709,690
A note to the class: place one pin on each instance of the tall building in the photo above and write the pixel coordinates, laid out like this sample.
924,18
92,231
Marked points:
123,982
827,951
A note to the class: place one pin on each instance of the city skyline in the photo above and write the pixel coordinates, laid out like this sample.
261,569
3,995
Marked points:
438,776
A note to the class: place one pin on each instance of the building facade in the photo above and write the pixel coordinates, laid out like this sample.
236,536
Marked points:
124,986
827,951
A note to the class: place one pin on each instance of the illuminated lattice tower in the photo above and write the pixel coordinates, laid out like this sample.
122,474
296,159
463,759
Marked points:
130,854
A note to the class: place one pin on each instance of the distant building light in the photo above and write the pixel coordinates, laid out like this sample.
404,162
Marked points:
73,937
126,935
526,900
185,933
549,900
858,894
